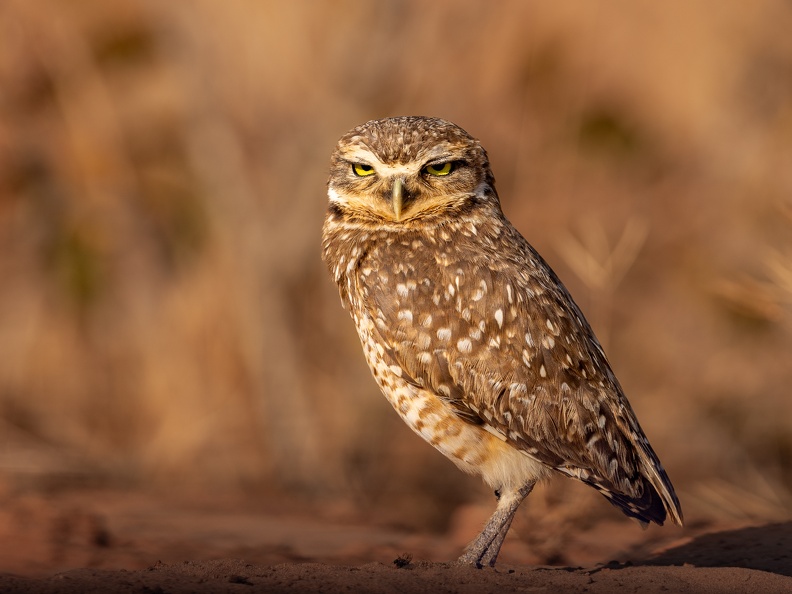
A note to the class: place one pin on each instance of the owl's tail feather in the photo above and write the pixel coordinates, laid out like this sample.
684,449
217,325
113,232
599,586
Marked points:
661,485
657,501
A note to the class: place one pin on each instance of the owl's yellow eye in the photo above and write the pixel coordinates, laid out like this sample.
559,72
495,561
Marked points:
440,168
362,170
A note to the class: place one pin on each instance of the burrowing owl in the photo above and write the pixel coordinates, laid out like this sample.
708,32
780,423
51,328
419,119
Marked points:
469,333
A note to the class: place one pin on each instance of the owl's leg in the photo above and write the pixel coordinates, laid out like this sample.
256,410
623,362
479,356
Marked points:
485,547
491,554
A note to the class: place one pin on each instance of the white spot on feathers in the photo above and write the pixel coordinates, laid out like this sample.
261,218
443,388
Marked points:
480,291
526,357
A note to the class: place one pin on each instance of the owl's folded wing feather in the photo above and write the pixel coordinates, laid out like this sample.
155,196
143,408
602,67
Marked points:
515,353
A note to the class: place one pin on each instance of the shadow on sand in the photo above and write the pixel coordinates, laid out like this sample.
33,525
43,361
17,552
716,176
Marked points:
766,548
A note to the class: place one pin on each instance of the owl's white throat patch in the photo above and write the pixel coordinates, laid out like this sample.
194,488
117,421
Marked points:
334,196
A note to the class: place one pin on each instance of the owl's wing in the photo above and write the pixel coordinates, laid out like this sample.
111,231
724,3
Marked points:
505,345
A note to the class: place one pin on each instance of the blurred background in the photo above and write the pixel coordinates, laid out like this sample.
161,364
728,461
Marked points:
166,322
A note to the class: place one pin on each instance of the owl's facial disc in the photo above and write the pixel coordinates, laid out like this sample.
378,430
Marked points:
394,185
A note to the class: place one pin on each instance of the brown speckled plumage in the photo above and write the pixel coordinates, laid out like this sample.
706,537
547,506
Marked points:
469,333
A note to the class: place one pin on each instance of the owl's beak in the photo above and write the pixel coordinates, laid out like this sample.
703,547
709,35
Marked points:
397,197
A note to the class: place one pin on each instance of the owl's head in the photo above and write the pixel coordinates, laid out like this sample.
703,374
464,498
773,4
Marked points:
404,169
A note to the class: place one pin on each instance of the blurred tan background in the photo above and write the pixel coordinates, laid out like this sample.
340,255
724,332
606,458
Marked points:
166,321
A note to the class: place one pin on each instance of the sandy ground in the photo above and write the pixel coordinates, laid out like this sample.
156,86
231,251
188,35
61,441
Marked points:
239,576
133,542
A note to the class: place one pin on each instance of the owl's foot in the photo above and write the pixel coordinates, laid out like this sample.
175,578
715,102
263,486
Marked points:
485,547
